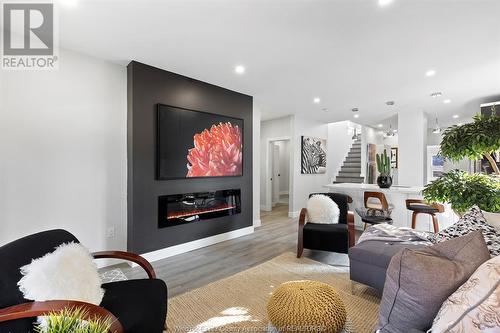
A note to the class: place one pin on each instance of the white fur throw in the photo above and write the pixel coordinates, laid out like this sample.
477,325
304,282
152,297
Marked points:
322,209
68,273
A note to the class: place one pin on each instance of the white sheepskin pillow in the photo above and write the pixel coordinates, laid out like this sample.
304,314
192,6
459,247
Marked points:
322,209
68,273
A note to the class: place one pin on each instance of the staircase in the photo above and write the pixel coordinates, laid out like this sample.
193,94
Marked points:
351,169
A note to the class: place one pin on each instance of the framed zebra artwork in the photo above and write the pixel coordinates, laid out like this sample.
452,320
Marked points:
313,155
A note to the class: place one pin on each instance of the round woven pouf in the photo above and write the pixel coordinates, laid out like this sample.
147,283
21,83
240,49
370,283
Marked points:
306,306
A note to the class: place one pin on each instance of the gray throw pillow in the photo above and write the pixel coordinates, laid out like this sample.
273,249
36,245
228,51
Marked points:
418,281
471,221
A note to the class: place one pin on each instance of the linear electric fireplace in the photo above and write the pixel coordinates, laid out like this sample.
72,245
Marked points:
178,209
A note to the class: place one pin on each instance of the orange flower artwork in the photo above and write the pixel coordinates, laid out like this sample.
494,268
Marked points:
216,152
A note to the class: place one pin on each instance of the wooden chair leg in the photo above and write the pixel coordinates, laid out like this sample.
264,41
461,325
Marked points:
300,246
414,220
364,228
300,249
435,223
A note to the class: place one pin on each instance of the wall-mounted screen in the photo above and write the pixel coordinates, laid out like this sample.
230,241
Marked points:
193,144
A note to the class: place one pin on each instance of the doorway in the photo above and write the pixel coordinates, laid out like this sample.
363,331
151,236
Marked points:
277,184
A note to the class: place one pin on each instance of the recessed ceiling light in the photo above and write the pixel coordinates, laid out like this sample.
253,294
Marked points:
436,94
380,125
239,69
384,2
430,72
355,111
455,116
446,101
316,100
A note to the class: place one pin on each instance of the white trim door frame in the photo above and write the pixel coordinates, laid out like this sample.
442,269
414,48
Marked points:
269,171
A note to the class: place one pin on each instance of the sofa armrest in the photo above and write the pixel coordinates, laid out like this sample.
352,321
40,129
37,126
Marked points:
351,229
35,309
129,257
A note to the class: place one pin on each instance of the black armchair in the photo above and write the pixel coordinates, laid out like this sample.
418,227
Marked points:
328,237
135,306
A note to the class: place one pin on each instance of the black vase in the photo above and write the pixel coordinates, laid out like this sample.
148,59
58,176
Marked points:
384,181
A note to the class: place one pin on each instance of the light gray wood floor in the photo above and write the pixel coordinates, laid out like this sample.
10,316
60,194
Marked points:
278,234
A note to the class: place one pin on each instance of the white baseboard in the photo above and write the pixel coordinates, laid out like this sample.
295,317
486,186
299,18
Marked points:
283,192
197,244
265,208
293,214
257,223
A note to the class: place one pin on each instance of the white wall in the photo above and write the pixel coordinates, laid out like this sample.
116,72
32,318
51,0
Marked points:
270,129
303,185
412,141
300,185
434,139
63,151
256,166
339,143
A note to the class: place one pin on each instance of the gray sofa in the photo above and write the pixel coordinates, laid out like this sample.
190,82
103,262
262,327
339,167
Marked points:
369,261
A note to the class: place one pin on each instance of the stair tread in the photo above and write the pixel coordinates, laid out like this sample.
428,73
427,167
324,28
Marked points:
351,168
350,182
358,176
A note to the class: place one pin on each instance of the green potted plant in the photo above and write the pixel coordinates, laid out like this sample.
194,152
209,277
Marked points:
384,180
72,320
461,189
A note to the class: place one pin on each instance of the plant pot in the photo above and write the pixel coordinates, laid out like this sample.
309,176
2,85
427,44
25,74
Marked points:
384,181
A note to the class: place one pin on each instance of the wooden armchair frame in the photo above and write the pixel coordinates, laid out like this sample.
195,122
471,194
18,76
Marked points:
302,221
35,309
377,195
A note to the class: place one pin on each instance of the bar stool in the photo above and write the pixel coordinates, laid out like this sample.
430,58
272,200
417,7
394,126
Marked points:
419,206
382,205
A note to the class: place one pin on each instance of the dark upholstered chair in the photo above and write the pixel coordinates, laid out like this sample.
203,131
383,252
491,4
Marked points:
136,306
337,237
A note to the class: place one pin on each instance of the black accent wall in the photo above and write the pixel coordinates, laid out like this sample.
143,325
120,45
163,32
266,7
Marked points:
148,86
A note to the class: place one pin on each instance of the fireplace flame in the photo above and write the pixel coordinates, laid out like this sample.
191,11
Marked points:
190,212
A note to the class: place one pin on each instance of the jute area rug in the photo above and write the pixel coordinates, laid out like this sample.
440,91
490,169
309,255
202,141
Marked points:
238,303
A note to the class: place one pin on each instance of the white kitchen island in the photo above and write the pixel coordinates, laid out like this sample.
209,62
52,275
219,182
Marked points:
396,196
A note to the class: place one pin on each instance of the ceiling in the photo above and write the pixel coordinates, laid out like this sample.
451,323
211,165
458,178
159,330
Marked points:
350,53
